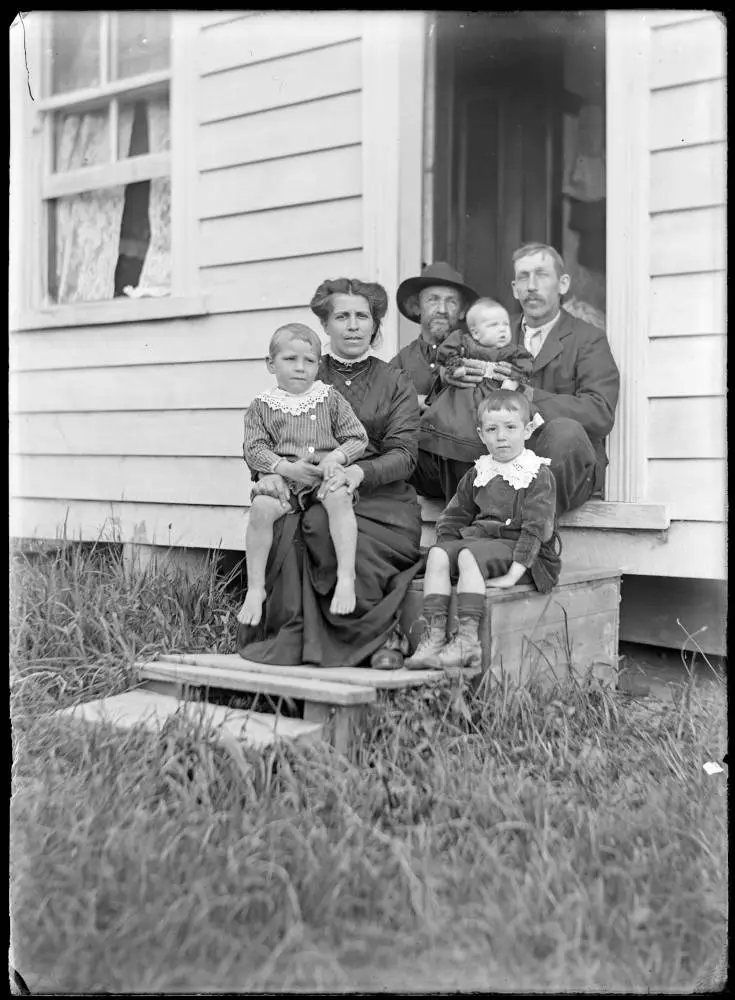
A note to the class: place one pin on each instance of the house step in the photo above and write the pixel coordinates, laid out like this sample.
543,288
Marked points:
236,675
524,634
151,709
383,680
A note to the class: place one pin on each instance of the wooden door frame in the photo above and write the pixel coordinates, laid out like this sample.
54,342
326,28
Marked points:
627,103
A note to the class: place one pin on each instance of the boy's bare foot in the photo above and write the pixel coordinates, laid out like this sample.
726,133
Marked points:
343,601
252,610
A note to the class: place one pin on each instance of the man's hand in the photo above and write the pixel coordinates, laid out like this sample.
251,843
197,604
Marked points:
499,371
422,403
300,472
474,372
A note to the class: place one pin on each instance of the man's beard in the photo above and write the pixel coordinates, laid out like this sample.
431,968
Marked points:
437,329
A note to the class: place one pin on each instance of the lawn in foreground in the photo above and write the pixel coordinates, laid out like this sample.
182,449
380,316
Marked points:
513,840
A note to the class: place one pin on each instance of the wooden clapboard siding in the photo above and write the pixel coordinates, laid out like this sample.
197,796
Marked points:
331,227
293,79
217,384
682,305
688,52
231,46
680,428
688,114
225,337
685,362
147,417
308,178
688,548
693,177
173,524
694,489
327,123
275,284
683,242
686,366
179,433
143,479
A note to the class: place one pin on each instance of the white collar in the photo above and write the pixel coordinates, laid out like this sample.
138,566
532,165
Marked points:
540,329
348,361
519,473
291,402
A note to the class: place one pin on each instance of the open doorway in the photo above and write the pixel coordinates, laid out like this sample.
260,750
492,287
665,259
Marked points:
519,148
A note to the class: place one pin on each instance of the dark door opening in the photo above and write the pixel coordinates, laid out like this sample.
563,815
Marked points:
519,154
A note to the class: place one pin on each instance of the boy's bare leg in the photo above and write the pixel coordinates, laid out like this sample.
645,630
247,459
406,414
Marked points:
343,529
264,512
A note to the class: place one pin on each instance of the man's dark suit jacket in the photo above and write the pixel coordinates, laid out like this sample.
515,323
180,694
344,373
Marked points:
575,375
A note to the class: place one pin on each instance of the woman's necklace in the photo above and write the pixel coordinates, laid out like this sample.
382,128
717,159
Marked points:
350,370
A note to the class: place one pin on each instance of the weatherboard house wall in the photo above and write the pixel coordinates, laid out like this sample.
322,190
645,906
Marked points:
296,152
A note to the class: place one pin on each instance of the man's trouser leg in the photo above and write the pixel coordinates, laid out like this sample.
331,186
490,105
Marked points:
573,460
426,478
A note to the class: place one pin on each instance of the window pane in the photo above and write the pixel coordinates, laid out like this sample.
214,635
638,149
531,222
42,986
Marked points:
144,127
111,242
143,42
81,140
75,50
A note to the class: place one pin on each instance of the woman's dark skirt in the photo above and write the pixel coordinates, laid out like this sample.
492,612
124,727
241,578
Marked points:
297,625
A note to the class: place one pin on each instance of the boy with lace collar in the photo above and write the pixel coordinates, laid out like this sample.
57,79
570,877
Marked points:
498,530
303,430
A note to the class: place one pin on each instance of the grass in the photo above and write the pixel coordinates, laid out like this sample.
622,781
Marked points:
501,840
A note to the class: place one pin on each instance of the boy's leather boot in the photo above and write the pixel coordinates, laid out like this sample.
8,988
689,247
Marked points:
434,614
464,649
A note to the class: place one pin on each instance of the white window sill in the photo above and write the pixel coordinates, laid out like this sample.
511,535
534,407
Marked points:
102,313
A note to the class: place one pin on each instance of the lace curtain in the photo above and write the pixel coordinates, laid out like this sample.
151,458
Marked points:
88,224
156,273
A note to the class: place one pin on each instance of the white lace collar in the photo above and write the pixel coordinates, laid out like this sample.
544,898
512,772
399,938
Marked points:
519,473
291,402
348,361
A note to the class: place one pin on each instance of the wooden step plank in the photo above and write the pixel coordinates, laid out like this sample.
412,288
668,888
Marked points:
592,514
232,679
151,709
381,679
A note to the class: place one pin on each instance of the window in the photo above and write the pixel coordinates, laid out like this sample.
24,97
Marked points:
106,177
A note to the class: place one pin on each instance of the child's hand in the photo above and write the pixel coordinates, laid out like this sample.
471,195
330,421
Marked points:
502,582
301,471
509,383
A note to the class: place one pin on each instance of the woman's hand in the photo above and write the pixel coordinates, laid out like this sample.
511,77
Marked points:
351,477
274,486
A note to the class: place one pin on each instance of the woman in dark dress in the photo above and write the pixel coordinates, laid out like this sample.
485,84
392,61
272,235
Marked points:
297,625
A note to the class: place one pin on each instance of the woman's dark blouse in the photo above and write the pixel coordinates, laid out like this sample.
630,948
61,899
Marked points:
385,403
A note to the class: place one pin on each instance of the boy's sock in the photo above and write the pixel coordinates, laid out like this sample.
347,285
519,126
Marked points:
435,604
470,606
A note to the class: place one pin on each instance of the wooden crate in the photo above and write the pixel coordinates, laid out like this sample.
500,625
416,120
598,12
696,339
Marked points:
526,634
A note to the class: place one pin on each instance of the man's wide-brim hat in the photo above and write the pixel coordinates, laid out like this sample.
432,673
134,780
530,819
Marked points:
434,274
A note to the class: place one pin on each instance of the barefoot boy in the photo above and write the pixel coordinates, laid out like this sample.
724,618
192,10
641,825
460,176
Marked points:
499,527
302,430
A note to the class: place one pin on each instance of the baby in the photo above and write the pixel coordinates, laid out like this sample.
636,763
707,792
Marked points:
449,421
489,339
303,430
499,527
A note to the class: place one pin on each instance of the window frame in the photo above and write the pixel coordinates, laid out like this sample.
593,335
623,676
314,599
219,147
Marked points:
33,181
